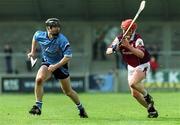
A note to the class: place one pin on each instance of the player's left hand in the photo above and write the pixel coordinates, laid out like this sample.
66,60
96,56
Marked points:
52,68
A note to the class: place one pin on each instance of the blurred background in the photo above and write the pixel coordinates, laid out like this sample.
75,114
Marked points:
90,26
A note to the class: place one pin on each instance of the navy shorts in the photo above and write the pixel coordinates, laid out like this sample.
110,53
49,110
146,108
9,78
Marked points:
58,74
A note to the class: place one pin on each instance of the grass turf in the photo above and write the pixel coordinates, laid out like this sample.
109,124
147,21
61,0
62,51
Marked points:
103,109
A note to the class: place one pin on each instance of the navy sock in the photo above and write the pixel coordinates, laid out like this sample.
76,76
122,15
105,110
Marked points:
39,104
79,106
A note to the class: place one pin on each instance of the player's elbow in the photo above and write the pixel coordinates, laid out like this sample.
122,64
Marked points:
68,58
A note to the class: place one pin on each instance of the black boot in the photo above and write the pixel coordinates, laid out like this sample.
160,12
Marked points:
35,110
82,113
152,112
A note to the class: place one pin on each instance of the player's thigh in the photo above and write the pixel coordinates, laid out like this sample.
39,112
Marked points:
43,73
137,77
65,85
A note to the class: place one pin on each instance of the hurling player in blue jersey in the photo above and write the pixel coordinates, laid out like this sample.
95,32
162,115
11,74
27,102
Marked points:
56,53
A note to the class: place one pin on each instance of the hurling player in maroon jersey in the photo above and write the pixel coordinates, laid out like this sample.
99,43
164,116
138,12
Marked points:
137,57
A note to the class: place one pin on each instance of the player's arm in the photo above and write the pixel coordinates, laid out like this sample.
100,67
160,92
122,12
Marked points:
67,56
138,51
113,47
62,62
33,48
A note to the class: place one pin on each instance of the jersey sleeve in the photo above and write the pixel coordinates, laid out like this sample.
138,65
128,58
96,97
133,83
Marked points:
140,44
114,42
66,49
36,36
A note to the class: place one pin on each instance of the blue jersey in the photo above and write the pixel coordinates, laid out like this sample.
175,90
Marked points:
53,50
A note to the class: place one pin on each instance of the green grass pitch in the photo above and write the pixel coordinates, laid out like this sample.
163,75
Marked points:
103,109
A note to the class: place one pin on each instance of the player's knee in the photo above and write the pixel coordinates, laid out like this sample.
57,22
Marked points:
135,94
39,81
132,85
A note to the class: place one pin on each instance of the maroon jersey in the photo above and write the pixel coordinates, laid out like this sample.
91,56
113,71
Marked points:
131,59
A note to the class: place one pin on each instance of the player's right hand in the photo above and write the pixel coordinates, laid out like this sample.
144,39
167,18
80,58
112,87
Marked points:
109,51
30,55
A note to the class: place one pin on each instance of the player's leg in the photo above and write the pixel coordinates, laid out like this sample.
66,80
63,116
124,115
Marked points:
139,97
134,83
42,75
67,89
135,80
136,94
